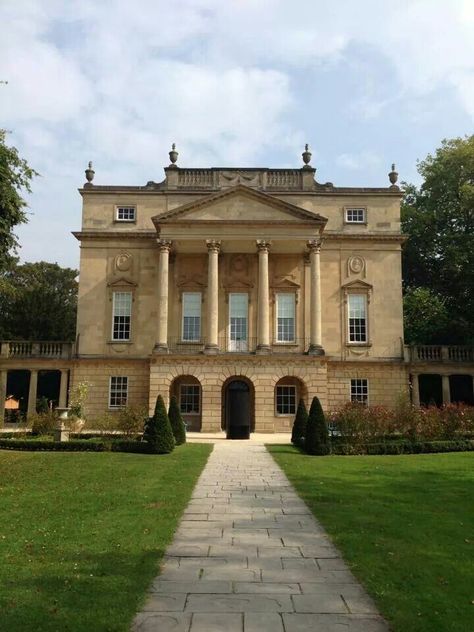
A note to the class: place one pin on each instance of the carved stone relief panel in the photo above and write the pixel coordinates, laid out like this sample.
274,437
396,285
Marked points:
356,266
121,265
232,178
191,271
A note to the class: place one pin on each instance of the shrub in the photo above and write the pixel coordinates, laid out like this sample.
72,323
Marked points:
43,423
299,425
176,421
158,433
131,420
104,424
317,436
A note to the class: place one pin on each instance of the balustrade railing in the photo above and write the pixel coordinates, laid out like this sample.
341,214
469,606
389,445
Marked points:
284,179
442,353
195,178
177,345
33,349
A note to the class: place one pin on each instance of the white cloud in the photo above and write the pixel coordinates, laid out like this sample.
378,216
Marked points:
117,81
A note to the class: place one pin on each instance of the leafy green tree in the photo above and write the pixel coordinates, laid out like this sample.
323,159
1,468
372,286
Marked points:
176,421
15,177
158,431
425,316
38,301
299,425
317,435
438,218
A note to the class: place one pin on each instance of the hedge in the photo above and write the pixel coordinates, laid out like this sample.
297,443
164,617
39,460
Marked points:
85,445
404,447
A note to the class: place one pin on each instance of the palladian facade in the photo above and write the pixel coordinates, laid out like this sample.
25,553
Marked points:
239,291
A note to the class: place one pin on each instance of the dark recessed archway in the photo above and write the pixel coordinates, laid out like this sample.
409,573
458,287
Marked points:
238,407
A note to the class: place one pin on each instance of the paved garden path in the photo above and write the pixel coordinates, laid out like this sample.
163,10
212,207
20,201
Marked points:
248,556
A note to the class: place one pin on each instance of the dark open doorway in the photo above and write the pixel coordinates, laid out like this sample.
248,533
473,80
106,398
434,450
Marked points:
238,408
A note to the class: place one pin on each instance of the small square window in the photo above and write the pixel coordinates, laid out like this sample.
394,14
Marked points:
125,214
118,391
360,391
286,400
355,215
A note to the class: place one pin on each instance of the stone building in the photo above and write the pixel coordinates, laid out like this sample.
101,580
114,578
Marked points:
239,290
225,285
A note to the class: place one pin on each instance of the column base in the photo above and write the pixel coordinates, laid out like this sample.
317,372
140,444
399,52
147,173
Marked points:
160,347
211,349
316,350
263,350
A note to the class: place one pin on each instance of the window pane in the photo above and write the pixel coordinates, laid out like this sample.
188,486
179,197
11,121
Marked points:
126,213
285,317
360,391
192,316
357,318
189,398
118,393
238,309
122,312
355,215
286,400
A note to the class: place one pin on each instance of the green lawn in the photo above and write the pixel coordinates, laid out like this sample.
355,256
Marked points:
405,525
81,534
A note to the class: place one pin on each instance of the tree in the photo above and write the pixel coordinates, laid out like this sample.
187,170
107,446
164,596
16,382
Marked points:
38,301
15,176
317,435
158,432
439,220
425,316
176,421
300,423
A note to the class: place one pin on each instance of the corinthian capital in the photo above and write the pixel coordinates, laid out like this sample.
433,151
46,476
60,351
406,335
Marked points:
164,245
213,245
314,245
263,245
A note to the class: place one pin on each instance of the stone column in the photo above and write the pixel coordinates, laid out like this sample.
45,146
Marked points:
63,388
212,342
3,395
263,322
415,390
32,392
315,343
161,345
446,389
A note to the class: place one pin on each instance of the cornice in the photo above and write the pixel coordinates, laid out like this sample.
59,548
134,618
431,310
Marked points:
114,234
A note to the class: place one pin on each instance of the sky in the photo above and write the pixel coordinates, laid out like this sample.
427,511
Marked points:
234,83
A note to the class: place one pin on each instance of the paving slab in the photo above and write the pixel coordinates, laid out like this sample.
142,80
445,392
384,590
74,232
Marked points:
249,556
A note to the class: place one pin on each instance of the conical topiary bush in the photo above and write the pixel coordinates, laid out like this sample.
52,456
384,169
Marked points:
176,421
300,423
317,435
158,433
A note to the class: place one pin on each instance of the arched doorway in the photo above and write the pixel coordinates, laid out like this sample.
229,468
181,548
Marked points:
238,408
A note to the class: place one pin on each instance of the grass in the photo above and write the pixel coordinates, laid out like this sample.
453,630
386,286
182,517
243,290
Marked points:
405,525
81,534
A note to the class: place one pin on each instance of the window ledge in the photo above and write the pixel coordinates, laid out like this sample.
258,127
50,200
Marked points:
358,344
190,342
119,342
285,344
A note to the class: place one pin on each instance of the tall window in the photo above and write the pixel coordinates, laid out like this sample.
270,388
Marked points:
118,391
285,317
238,321
355,215
191,316
189,398
286,400
360,391
357,311
122,315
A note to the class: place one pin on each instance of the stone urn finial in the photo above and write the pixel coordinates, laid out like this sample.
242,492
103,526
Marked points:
173,154
89,173
306,155
393,176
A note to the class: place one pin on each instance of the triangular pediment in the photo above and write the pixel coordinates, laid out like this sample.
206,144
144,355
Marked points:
357,285
239,204
122,283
